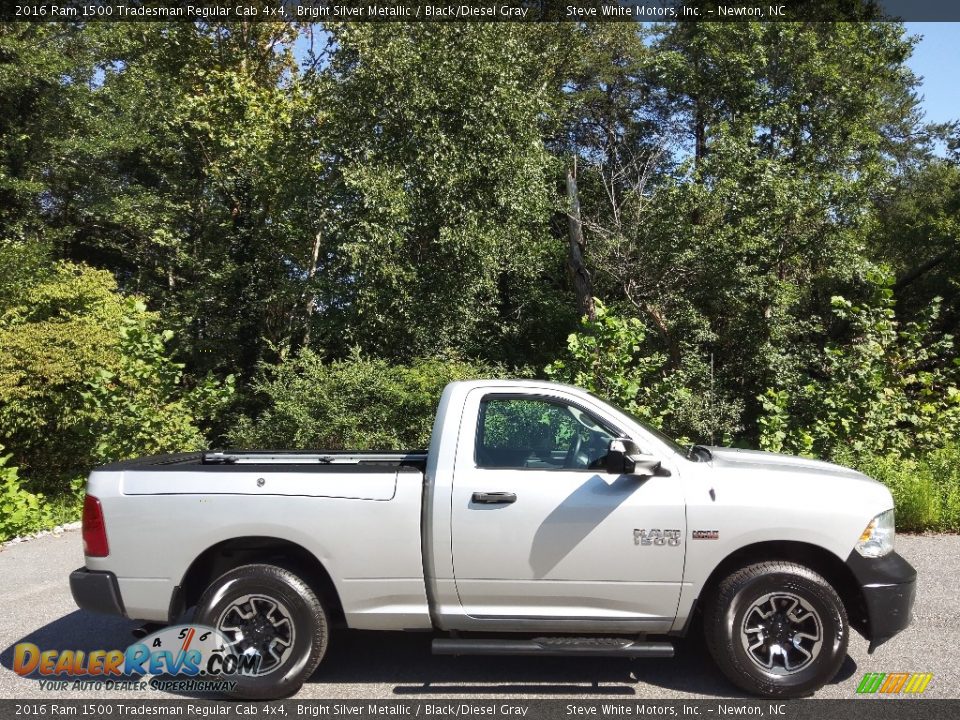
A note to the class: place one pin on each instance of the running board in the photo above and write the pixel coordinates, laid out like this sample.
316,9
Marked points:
590,646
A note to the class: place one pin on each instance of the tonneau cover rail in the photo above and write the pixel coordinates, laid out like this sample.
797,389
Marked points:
280,457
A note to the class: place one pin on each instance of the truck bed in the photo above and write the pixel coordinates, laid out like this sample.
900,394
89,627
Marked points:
358,513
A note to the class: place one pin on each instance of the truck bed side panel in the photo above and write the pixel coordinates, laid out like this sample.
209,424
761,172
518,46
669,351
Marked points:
304,481
369,544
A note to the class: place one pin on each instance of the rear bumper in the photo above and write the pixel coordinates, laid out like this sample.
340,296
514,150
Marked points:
96,591
888,586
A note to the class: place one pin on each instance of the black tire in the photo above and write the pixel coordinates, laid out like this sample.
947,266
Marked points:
306,625
785,635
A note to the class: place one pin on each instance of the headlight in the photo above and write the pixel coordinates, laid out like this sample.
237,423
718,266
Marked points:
877,538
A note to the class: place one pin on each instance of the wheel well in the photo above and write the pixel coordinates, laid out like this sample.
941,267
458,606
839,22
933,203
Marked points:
822,561
229,554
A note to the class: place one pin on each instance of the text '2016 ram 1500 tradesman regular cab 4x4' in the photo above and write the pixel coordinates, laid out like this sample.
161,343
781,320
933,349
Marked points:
541,520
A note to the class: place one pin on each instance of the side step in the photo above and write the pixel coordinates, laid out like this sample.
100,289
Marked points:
590,646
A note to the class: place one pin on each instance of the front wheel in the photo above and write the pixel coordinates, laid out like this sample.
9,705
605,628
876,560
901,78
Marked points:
777,629
271,613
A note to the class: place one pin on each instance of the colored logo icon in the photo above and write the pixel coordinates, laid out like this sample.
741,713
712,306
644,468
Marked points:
894,683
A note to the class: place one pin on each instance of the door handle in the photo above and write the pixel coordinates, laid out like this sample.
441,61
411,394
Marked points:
494,498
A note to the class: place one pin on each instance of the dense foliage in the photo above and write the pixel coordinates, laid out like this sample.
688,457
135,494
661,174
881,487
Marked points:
880,390
926,488
55,336
139,405
290,235
611,357
85,378
354,403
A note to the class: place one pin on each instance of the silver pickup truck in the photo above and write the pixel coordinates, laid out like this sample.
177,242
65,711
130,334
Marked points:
541,520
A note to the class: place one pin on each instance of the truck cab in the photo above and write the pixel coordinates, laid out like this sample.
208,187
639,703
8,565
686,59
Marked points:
530,528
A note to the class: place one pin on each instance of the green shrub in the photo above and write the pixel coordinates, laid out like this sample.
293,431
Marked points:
20,511
926,488
885,388
85,377
357,403
55,334
611,356
140,406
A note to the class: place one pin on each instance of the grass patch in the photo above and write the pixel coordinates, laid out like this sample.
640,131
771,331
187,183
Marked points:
42,514
926,489
64,509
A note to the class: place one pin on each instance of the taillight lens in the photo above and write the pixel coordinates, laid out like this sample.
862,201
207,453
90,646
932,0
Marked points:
94,529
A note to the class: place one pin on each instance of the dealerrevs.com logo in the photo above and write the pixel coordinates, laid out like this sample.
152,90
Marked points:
198,658
894,683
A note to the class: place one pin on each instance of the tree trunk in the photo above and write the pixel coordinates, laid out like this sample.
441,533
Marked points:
699,135
311,296
580,276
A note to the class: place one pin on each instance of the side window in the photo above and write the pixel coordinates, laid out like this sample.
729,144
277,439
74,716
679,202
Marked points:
535,433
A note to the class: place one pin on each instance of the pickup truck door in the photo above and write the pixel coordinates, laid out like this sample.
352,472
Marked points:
541,531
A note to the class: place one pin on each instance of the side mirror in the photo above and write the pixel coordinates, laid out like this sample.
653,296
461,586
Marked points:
625,458
616,460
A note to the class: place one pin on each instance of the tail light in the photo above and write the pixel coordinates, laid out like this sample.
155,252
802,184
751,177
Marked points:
94,529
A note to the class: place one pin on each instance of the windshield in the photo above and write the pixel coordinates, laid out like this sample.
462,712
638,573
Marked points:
665,439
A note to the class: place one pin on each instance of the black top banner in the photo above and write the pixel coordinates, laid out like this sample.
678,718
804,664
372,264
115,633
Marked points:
479,10
487,708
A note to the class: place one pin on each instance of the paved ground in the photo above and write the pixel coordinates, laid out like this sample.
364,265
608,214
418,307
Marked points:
35,606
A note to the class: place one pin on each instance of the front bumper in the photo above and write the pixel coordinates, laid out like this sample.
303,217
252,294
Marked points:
96,591
888,586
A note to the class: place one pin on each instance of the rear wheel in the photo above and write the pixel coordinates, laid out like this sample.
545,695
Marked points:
271,613
777,629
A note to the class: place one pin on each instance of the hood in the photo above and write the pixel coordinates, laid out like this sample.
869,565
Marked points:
734,458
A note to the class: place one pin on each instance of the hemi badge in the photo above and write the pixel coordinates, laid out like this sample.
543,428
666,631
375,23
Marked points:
706,534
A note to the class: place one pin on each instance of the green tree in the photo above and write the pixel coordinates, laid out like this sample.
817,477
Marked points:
187,175
55,336
440,237
140,407
729,243
918,235
44,70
